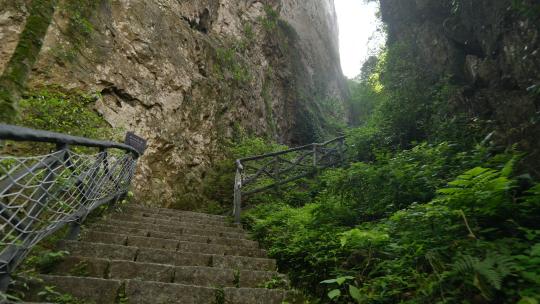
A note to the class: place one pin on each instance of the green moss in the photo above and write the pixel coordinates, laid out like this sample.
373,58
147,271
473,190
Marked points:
17,70
271,21
69,112
230,64
269,112
79,14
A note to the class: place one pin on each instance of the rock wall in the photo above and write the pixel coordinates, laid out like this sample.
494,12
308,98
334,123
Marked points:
189,75
490,48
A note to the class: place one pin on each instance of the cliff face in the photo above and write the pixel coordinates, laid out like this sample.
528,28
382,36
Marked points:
188,75
489,48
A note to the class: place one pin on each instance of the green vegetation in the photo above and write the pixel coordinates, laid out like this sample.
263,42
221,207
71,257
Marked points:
403,229
231,65
70,112
429,210
41,12
12,81
270,21
217,185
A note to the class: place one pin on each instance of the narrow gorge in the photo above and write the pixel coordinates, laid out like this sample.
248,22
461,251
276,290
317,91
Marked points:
190,76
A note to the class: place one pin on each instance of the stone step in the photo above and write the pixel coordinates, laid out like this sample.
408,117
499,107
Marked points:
180,237
180,218
177,258
110,291
174,223
169,244
155,255
176,229
190,275
90,290
174,213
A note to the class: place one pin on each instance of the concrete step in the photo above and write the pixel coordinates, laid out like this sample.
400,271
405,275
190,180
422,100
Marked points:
176,229
89,290
169,244
181,218
174,236
174,213
190,275
156,255
166,222
110,291
161,293
177,258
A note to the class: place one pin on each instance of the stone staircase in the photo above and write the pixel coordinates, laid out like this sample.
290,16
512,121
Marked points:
147,255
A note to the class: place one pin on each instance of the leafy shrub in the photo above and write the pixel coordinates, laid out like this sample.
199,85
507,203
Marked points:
434,239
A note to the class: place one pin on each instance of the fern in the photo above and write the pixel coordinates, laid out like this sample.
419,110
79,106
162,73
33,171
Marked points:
488,274
483,190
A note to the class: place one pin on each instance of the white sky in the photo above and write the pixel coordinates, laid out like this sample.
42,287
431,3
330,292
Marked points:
357,24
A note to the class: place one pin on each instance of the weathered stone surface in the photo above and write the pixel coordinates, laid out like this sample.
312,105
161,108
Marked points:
141,271
121,230
185,228
105,251
251,278
164,222
104,237
93,290
155,243
204,276
238,262
253,296
82,267
220,249
139,292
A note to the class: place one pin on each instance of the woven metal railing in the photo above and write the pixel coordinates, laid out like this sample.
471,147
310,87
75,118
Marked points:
269,171
40,195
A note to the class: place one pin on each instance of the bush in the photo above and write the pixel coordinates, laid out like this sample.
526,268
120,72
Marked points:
405,229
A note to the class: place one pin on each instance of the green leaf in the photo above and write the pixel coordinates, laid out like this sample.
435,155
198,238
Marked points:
334,294
342,280
527,300
331,281
535,250
355,293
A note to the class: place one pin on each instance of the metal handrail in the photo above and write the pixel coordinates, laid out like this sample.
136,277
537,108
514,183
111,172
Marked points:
41,194
16,133
303,161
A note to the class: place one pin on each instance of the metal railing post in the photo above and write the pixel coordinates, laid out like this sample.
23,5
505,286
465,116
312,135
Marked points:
5,280
238,193
315,156
341,151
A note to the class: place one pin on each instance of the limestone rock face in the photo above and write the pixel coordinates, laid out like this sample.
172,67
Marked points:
491,48
188,75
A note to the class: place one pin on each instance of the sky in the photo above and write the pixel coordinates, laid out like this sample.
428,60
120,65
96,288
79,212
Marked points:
357,24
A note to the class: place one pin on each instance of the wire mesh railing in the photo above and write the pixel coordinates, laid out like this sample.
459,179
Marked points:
41,194
260,173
